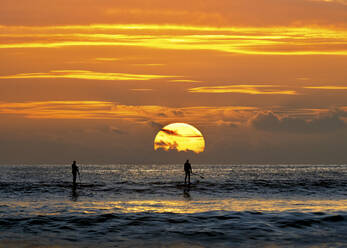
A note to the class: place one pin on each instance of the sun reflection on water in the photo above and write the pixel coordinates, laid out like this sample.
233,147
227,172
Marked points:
183,206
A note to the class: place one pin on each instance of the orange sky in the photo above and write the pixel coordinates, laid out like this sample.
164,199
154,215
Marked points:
94,81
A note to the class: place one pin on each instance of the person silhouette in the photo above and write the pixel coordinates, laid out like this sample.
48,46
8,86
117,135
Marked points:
74,173
187,170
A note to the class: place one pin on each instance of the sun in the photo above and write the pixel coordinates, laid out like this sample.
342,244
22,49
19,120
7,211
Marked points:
180,137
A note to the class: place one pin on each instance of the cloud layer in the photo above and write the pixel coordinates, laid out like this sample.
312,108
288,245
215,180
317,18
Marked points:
243,89
239,40
268,121
83,74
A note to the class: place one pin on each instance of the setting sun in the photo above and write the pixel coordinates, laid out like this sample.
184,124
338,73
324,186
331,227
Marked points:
180,137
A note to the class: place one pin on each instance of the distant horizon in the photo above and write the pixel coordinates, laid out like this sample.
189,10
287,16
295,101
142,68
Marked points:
181,163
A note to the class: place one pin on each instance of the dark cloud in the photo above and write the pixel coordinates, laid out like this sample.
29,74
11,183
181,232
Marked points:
31,141
170,132
162,114
227,124
117,130
234,125
178,113
174,133
166,145
155,125
270,121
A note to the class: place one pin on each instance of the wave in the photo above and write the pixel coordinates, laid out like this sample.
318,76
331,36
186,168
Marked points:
215,227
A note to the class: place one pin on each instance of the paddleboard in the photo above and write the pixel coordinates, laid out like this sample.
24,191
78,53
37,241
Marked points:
182,185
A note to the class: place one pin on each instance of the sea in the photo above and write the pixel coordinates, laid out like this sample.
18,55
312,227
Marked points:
132,205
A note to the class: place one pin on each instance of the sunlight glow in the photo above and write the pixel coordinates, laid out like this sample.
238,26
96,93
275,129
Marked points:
195,206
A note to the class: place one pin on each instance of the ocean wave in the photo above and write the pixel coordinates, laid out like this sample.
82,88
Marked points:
220,227
149,206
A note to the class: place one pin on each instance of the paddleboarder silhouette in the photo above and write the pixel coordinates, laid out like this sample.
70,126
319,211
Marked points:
75,170
187,170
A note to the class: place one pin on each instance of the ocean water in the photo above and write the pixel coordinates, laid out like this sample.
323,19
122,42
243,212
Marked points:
147,206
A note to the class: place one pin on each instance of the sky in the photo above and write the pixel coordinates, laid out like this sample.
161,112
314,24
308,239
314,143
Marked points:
96,80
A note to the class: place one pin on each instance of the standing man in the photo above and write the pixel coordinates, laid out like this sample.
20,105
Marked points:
187,170
74,173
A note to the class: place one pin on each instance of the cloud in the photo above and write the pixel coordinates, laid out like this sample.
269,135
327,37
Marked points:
83,74
239,40
166,145
167,14
328,87
175,133
155,125
170,132
107,59
243,89
162,114
300,120
102,110
269,121
185,81
194,12
342,2
178,113
227,124
117,130
148,64
142,90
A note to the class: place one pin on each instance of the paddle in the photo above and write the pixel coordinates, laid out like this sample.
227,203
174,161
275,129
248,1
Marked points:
79,176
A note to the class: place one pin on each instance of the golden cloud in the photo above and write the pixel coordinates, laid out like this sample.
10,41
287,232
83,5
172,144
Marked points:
343,2
83,74
243,89
107,59
142,90
109,110
239,40
326,87
153,114
185,81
